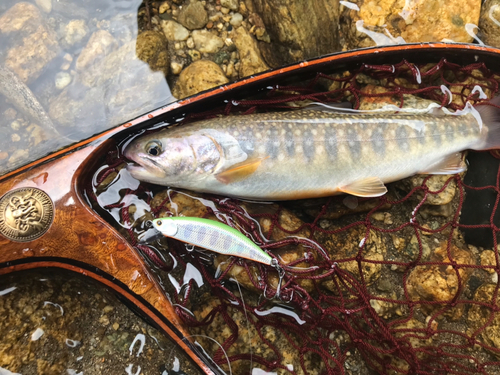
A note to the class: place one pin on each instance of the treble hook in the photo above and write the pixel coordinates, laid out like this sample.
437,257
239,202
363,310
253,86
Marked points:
281,275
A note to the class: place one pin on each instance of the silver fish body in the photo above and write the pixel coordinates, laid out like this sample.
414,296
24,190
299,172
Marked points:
305,153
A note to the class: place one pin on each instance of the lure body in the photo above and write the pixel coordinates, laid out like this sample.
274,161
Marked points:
212,235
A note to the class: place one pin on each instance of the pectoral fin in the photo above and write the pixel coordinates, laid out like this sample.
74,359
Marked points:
239,171
451,164
367,187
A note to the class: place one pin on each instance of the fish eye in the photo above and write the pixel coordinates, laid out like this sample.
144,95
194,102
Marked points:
153,148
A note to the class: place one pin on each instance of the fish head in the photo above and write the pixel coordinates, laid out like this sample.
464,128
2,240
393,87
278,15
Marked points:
171,160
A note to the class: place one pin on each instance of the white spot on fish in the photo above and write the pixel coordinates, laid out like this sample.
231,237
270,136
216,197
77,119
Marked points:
350,5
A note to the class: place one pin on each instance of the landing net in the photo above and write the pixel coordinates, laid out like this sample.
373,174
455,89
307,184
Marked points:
385,285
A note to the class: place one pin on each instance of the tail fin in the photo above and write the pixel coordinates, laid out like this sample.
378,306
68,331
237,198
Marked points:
491,120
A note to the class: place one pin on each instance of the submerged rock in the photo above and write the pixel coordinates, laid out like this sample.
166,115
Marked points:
100,44
33,43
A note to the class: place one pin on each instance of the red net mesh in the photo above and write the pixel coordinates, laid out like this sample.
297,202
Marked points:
384,285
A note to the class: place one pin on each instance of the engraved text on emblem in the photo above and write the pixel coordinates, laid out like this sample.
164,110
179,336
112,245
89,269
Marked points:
25,214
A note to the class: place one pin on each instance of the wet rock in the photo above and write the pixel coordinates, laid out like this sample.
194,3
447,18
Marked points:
199,76
236,20
382,23
174,31
74,33
479,316
72,312
409,101
44,5
23,17
39,45
440,283
100,44
246,342
434,183
206,41
231,4
193,16
488,259
489,23
251,60
152,49
63,79
295,37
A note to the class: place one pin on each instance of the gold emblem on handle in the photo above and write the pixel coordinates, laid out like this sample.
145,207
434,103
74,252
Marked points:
25,214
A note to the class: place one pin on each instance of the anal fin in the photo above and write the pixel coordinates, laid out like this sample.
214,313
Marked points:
239,171
367,187
450,164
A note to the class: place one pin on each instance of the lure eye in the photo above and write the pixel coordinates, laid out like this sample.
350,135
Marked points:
153,148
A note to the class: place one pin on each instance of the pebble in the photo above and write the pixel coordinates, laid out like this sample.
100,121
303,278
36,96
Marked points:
164,7
199,76
193,16
231,4
224,10
236,19
63,79
74,32
206,42
174,31
15,125
176,68
190,43
15,137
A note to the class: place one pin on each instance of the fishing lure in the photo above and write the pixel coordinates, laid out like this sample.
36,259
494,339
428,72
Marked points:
215,236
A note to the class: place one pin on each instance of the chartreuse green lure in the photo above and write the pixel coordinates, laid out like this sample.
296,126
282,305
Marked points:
213,235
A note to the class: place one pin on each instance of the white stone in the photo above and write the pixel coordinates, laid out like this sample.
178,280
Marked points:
44,5
175,68
236,20
174,30
63,79
206,42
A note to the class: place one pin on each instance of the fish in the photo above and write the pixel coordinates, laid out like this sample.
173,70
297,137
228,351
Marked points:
214,236
310,153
